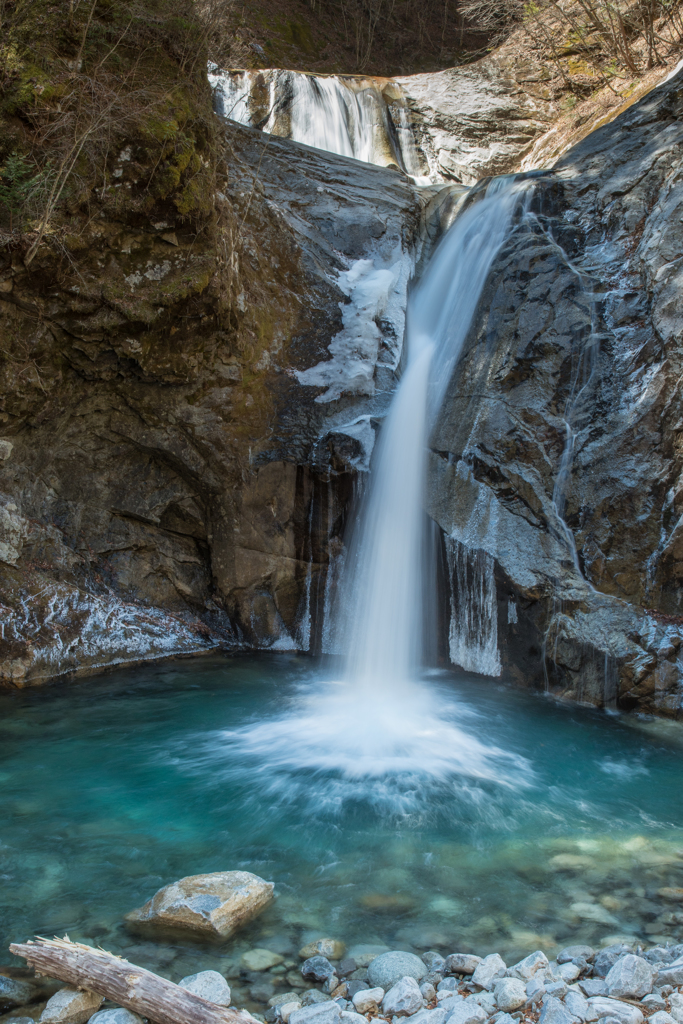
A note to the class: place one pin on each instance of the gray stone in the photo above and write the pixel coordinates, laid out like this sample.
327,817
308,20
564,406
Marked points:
437,1016
654,1001
676,1006
5,449
211,905
490,968
556,989
346,966
332,984
661,1017
510,994
461,963
578,1005
209,985
448,985
287,1009
117,1016
71,1006
284,997
428,992
331,948
631,977
467,1013
593,986
365,953
607,957
349,1017
449,1000
672,974
317,968
17,992
625,1012
535,988
555,1012
485,999
569,972
433,961
368,999
528,967
355,986
403,999
326,1012
313,996
658,955
503,1018
19,1020
388,968
570,953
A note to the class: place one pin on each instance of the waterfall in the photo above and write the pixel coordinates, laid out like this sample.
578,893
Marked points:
349,116
383,606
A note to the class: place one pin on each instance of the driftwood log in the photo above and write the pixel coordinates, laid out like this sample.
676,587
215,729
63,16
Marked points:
133,987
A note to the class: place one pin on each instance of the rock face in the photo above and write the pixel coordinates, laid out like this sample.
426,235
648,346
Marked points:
205,906
571,369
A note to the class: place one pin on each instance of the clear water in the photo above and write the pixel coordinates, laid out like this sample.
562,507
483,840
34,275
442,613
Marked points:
517,823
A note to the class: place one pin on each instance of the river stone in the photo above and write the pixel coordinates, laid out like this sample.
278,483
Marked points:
654,1001
433,961
578,1005
284,997
529,966
346,966
209,985
676,1006
428,991
313,996
631,977
555,1012
16,992
535,988
607,957
403,999
327,1012
368,999
467,1013
330,948
485,999
260,960
349,1017
461,963
71,1006
661,1017
388,968
117,1016
437,1016
212,906
624,1012
491,968
557,989
285,1010
317,968
448,985
672,974
593,986
365,953
509,994
569,972
570,953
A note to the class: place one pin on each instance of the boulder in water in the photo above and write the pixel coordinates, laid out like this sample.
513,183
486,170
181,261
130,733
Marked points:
260,960
209,906
331,948
388,968
317,968
16,992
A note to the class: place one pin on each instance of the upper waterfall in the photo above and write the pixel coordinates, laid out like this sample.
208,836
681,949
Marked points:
363,118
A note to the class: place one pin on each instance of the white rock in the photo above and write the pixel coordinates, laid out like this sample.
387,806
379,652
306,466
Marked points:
368,999
428,991
260,959
535,988
71,1006
654,1001
529,966
403,999
328,1012
509,993
446,993
661,1017
676,1005
467,1013
555,1012
568,972
672,974
488,970
578,1005
461,963
437,1016
631,977
287,1009
486,1000
209,985
5,449
117,1016
602,1006
349,1017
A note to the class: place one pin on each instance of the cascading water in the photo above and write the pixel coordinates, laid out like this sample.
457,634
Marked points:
348,116
381,719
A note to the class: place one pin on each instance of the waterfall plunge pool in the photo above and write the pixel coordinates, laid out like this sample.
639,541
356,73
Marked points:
487,820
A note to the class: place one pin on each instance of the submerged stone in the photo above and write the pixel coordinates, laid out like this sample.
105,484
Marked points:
331,948
211,905
17,992
317,968
260,959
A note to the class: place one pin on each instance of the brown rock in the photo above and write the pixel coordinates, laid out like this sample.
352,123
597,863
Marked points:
213,905
331,948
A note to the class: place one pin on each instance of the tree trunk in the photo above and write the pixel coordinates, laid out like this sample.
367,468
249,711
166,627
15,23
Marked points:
132,987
